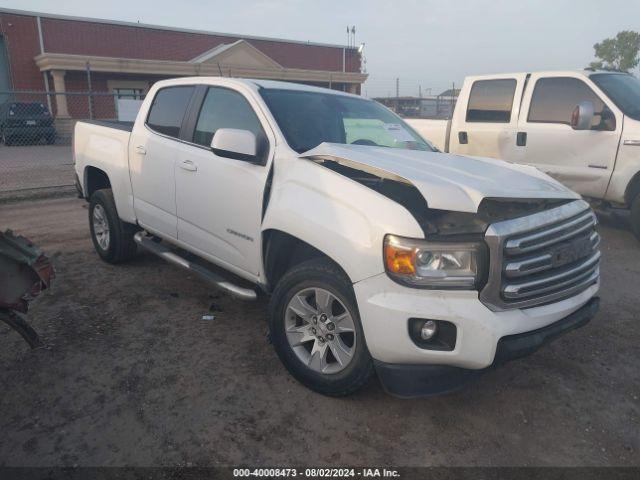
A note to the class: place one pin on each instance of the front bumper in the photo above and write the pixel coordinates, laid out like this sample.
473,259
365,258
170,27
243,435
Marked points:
385,308
418,380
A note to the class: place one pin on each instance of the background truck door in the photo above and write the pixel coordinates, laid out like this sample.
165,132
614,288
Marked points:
581,159
486,125
153,148
220,199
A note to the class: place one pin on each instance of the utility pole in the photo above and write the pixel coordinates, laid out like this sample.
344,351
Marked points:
397,94
453,99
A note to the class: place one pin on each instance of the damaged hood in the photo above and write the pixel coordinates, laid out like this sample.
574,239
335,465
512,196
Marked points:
447,182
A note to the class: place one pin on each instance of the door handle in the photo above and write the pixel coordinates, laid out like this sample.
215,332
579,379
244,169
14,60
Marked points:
140,150
521,139
463,138
188,165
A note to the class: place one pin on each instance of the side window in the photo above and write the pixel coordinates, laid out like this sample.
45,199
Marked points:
168,109
555,99
224,108
490,101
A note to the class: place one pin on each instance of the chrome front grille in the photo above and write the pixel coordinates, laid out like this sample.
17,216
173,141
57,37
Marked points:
541,258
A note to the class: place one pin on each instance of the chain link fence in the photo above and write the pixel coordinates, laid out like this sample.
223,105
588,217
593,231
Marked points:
36,131
413,98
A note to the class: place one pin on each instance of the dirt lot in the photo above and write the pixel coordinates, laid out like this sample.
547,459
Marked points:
35,167
133,375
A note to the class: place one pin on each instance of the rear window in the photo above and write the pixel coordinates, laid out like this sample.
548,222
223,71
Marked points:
490,101
168,109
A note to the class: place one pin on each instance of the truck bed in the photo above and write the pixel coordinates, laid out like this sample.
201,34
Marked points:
435,131
125,126
104,146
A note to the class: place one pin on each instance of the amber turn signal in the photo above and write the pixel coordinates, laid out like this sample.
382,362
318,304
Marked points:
400,260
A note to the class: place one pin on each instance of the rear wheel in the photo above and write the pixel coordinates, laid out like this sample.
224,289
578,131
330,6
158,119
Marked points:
112,238
635,216
316,331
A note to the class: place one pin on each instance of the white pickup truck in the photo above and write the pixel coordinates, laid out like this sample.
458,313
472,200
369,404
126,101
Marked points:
582,128
380,255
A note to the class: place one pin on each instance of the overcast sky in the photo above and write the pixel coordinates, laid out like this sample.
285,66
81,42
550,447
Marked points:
422,42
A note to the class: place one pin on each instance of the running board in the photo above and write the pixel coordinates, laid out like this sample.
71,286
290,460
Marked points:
216,280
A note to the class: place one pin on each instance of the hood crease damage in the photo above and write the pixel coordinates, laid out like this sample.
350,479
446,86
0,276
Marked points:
446,182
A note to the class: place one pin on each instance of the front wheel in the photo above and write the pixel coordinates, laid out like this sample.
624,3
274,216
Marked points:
635,216
316,330
112,238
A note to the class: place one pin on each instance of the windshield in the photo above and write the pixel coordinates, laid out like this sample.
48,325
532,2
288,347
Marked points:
623,90
309,118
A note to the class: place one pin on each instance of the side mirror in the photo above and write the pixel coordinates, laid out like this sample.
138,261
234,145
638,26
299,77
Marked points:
582,116
236,144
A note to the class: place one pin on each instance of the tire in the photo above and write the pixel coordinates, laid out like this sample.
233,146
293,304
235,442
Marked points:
115,244
313,281
634,219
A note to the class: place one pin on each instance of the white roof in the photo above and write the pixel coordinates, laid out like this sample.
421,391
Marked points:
251,83
275,84
545,73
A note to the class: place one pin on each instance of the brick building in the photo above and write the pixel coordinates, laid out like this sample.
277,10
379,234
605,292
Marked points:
56,53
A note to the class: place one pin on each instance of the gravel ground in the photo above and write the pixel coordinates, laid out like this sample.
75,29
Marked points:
35,167
132,375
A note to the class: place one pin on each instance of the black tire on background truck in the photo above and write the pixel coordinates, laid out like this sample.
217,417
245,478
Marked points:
112,238
313,309
634,219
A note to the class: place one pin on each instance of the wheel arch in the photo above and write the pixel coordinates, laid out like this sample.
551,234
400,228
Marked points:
282,251
633,189
95,179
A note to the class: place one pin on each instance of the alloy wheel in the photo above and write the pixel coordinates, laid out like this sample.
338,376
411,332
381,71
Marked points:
320,330
101,227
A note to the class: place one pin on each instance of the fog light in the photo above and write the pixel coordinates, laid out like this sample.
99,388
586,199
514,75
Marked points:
433,334
428,330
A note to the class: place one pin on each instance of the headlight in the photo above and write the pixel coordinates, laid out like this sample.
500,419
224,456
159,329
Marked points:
423,264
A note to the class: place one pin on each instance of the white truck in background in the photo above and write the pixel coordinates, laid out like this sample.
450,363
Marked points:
379,253
580,127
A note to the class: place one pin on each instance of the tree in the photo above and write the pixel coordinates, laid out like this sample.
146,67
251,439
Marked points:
619,53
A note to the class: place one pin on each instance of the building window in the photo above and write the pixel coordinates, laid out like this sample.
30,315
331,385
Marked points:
130,93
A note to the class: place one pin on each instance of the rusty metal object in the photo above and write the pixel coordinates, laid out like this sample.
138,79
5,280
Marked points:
24,272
